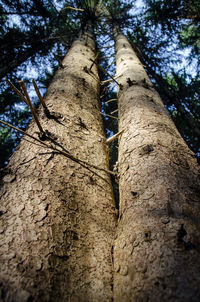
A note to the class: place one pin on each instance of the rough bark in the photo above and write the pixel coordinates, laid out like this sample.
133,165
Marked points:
157,246
56,217
170,98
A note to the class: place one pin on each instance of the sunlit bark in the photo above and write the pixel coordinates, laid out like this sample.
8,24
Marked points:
57,217
156,254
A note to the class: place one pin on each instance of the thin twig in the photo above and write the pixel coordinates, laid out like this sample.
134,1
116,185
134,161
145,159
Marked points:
110,64
108,115
109,80
115,136
111,100
46,110
114,111
20,95
106,81
23,132
73,8
109,46
94,61
106,72
27,140
31,106
66,154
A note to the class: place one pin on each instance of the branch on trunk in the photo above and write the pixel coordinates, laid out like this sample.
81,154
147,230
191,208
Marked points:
20,95
114,137
111,100
28,101
114,111
94,61
108,115
46,110
120,86
55,149
109,80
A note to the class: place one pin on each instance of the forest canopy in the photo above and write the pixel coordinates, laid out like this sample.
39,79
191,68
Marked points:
36,34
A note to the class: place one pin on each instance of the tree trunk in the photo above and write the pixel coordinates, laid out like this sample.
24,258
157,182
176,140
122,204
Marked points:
57,217
157,247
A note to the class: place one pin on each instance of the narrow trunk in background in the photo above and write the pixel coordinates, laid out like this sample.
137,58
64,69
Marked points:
57,218
157,247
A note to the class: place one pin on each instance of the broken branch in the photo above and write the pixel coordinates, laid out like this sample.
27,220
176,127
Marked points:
107,81
115,136
66,154
111,100
105,71
46,110
94,61
108,115
31,106
20,95
23,132
114,111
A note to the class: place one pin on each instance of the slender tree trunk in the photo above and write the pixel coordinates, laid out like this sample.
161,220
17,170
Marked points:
57,217
157,247
185,115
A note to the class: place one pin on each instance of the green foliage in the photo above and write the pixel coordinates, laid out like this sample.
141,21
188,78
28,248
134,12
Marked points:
178,18
190,36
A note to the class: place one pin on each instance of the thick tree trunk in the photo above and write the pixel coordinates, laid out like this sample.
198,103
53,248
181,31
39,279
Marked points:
157,247
57,217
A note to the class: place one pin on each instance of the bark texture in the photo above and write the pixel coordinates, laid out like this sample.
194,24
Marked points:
57,218
157,246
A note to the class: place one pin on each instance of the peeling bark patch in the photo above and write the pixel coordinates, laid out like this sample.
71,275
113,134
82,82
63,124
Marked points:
9,178
41,216
123,270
